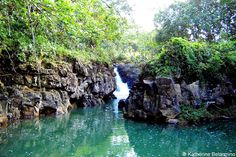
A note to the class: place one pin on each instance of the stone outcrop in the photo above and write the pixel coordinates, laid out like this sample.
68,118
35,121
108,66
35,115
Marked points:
27,91
160,99
129,73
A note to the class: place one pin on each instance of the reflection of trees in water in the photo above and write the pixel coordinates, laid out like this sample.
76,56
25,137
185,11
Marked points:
84,132
154,140
99,132
58,136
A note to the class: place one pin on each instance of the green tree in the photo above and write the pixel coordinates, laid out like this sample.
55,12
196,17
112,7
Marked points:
197,19
46,28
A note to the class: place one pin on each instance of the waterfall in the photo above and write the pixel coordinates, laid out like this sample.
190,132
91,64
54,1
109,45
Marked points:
122,90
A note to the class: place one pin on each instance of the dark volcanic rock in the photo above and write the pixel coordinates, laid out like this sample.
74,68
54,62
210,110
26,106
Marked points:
160,99
129,73
29,93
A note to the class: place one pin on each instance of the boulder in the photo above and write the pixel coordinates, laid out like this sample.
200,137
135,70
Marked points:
121,104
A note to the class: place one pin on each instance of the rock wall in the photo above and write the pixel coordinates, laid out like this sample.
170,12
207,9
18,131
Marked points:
129,73
160,99
27,91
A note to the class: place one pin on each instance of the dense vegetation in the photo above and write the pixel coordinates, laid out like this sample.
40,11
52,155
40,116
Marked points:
197,40
195,60
197,20
35,30
194,39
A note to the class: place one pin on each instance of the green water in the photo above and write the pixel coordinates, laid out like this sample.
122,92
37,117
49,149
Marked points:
101,131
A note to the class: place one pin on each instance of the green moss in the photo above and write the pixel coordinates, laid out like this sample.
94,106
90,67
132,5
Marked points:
193,115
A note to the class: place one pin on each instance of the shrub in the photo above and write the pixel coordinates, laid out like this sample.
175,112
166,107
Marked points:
191,114
194,60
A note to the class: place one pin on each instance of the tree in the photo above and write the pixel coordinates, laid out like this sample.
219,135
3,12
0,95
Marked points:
46,27
197,19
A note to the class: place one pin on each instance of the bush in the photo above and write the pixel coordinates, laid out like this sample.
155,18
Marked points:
194,60
191,114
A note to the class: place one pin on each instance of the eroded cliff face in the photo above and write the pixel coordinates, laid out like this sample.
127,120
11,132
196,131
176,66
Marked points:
27,91
161,99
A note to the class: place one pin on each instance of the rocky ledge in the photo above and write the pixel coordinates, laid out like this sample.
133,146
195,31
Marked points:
162,100
27,91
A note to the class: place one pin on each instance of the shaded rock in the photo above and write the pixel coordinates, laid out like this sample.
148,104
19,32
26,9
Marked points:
80,69
70,83
51,81
52,100
51,89
153,99
14,113
164,81
129,73
31,98
121,104
160,98
170,112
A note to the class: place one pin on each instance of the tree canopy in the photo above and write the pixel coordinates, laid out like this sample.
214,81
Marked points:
48,27
198,20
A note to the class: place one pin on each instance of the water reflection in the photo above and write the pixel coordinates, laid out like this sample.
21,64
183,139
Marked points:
170,141
98,132
85,132
101,131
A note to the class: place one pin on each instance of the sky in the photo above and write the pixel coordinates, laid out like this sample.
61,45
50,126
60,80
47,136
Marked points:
144,11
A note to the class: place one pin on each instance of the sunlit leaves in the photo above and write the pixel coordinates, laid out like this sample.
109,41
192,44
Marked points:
43,25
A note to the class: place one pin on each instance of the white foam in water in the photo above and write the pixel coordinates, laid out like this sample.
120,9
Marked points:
122,90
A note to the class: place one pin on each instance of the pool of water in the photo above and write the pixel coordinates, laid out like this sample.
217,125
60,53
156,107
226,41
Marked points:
101,131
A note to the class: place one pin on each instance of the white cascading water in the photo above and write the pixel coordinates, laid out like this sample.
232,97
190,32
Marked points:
122,90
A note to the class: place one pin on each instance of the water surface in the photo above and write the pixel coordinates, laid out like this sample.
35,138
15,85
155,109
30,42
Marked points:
102,132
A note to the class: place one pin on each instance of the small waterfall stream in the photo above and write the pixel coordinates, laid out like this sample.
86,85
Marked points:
122,91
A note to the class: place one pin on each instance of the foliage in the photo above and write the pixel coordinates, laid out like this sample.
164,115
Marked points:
40,29
197,20
194,60
137,47
191,114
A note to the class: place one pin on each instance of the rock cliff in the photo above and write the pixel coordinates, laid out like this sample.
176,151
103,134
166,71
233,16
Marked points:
161,99
27,91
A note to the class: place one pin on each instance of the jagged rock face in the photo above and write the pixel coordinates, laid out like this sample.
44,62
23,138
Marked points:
129,73
159,100
153,99
28,93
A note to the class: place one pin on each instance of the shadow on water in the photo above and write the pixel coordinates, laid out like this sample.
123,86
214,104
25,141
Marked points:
102,131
